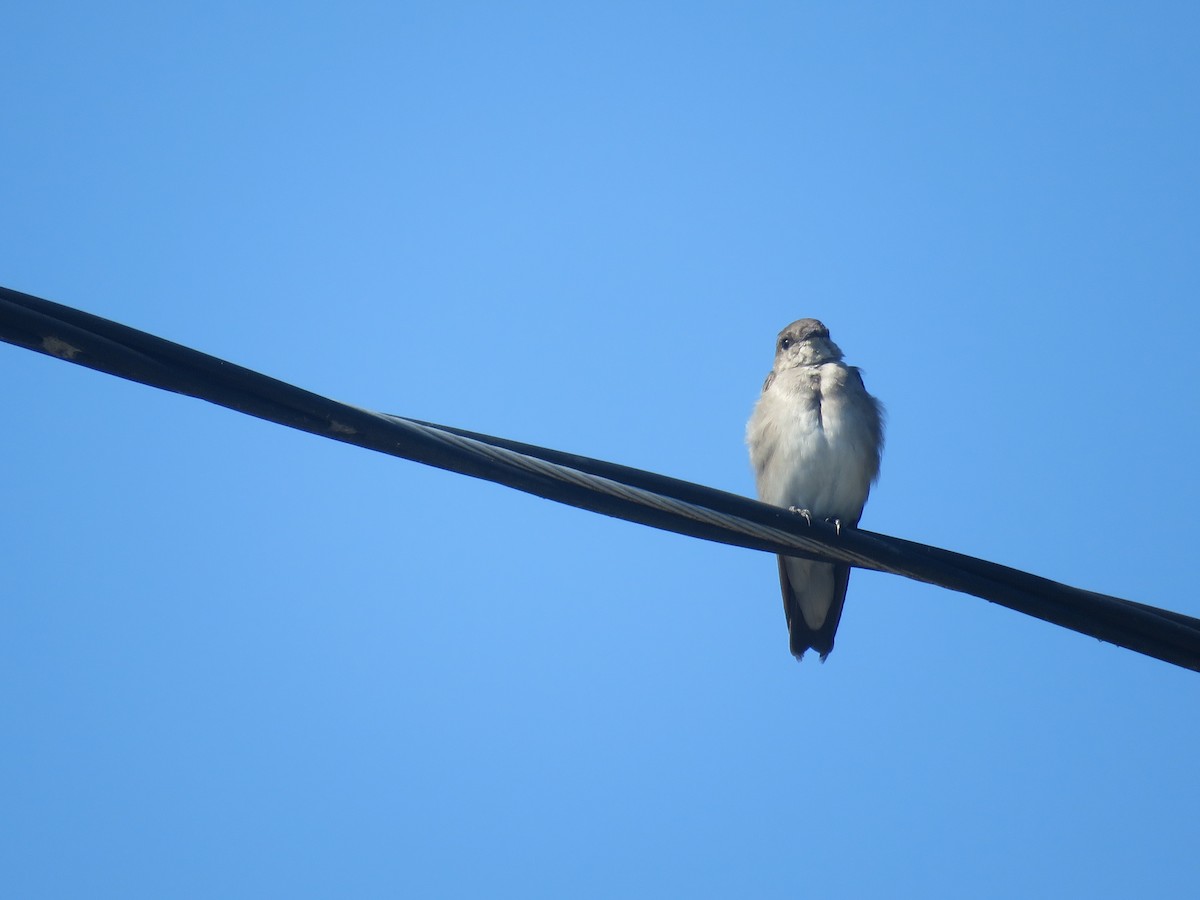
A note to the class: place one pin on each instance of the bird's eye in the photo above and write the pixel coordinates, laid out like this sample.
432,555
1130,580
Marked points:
784,343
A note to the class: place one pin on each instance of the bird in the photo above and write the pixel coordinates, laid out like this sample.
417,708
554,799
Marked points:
816,440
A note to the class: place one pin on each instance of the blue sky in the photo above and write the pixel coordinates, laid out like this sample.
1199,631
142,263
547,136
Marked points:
240,661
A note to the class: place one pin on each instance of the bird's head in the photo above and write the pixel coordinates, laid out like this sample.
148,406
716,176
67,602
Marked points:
805,343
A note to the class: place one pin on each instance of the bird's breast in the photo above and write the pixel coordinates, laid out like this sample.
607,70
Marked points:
821,455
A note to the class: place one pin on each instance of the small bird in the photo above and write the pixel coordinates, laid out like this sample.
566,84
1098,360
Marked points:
815,440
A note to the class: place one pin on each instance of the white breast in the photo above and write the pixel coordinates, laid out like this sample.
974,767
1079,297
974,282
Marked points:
812,442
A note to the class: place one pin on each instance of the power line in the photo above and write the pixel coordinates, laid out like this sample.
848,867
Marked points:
620,491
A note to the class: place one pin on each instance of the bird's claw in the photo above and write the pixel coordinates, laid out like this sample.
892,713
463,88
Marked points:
804,513
807,516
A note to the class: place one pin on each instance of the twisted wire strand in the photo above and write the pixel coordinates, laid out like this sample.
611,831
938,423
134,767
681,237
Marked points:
597,485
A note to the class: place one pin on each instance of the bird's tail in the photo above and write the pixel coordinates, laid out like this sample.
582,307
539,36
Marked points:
813,596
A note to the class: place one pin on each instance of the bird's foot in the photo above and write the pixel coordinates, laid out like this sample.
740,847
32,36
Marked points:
803,513
836,523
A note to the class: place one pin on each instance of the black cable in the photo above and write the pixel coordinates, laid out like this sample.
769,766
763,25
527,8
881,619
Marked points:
604,487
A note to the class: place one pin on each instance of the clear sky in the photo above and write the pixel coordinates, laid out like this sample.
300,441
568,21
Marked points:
241,661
